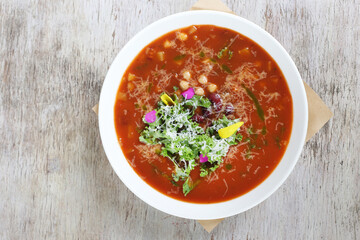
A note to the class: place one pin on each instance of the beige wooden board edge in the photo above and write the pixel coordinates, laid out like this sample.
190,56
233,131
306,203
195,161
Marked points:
211,5
319,113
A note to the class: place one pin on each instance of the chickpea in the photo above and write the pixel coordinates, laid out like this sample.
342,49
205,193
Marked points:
131,77
161,55
182,36
131,86
122,96
199,91
184,85
187,75
212,87
203,79
167,44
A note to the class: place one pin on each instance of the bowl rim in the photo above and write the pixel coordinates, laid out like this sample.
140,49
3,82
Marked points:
197,210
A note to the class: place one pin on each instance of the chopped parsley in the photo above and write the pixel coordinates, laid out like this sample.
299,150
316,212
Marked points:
149,87
259,110
226,69
230,54
277,142
228,166
222,52
183,140
225,52
263,130
179,57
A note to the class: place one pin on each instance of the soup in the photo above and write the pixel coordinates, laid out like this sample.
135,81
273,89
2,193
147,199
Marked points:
203,114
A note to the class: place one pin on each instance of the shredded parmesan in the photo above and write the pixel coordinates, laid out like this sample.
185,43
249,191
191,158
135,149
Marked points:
132,162
277,125
256,170
227,188
269,96
211,177
148,152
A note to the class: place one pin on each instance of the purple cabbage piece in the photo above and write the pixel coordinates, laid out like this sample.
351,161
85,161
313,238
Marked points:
203,158
188,94
150,117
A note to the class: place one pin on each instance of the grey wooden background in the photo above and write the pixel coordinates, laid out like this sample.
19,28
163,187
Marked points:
55,180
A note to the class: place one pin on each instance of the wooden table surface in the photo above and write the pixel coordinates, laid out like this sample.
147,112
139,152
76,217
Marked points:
55,180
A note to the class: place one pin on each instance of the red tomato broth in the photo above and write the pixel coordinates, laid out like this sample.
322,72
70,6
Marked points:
247,164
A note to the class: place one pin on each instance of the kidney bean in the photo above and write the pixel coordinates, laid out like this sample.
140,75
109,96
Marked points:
207,112
216,101
198,118
229,109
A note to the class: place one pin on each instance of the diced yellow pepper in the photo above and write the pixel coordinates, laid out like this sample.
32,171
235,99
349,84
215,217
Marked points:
230,130
167,100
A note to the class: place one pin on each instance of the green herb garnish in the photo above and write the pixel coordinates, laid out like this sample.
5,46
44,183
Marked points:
159,172
174,183
189,185
263,130
183,140
225,51
222,52
226,69
179,57
282,130
259,110
141,66
202,54
230,53
277,142
149,87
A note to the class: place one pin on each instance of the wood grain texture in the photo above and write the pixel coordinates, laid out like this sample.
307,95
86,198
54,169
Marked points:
55,180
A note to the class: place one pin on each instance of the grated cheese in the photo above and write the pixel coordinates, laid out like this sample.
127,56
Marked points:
148,152
227,188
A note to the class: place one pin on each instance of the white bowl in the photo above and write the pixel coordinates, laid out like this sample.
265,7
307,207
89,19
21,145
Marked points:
145,191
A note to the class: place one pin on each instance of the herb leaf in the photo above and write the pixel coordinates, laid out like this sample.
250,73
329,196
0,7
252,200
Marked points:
222,52
187,186
149,87
226,69
230,54
225,51
198,101
259,110
263,130
179,57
